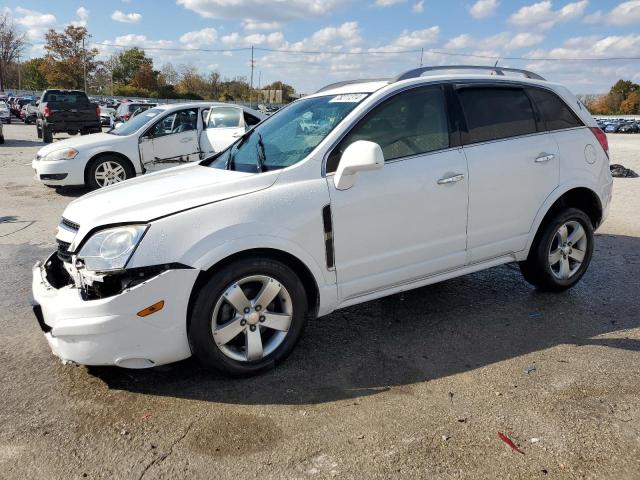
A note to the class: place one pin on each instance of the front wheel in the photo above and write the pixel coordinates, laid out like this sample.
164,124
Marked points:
248,317
561,252
108,170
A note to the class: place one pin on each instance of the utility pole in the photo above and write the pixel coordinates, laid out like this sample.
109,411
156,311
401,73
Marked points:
84,66
421,55
19,74
251,84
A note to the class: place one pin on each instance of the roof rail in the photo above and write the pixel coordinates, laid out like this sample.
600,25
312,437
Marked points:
331,86
417,72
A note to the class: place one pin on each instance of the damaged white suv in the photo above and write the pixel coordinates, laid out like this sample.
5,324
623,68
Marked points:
361,190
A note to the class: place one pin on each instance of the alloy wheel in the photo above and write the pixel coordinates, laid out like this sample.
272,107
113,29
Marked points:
109,172
567,250
252,318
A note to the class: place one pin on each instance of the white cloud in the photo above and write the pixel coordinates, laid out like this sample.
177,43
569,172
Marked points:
348,33
262,10
626,13
483,8
83,15
595,47
120,16
199,38
543,16
34,23
494,44
250,24
412,40
387,3
418,7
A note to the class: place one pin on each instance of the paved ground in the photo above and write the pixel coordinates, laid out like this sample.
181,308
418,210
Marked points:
413,386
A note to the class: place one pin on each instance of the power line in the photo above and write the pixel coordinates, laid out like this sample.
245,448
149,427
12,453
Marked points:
369,52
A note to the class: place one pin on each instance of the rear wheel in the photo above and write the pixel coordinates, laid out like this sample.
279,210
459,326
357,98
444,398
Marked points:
108,170
47,135
248,317
38,131
1,140
561,252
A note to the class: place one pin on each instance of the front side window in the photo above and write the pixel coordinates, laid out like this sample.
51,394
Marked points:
289,135
410,123
136,122
225,117
493,113
178,122
556,115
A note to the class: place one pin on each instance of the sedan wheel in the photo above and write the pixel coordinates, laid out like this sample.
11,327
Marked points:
567,250
108,173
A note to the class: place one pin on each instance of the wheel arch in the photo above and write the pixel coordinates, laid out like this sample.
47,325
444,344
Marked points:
298,266
580,197
106,154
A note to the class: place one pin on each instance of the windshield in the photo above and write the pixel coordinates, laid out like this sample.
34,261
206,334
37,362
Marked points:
288,136
136,122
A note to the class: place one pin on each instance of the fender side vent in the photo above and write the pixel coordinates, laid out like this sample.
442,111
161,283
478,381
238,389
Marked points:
328,235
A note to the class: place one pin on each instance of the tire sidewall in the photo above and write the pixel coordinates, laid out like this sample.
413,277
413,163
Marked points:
199,332
93,165
544,246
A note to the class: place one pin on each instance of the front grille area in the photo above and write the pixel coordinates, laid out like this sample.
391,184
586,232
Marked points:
69,224
63,251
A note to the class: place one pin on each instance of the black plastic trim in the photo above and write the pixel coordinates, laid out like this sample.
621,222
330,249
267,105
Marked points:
327,223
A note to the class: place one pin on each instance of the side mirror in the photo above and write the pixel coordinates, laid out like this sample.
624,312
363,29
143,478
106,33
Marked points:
360,156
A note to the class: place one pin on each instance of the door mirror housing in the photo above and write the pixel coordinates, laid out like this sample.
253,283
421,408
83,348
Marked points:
360,156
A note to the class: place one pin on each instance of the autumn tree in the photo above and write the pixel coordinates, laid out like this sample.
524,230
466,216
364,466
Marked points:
127,64
33,77
168,75
631,105
12,43
145,78
66,57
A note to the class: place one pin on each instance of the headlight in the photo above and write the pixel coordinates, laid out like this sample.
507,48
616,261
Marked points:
61,154
111,249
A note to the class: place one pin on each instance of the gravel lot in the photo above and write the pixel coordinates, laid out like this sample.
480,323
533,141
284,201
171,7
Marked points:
411,386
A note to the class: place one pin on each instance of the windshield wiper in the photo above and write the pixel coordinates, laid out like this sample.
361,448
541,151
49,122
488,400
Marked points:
260,159
232,153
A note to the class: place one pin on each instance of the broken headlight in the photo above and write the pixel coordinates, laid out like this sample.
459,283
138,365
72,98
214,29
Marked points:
110,249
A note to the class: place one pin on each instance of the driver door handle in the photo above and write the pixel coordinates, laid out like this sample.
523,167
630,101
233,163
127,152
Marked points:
545,157
449,180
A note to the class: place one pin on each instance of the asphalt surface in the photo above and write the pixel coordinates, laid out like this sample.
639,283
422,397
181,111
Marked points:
411,386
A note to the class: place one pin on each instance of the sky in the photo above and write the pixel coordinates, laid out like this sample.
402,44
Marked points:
317,42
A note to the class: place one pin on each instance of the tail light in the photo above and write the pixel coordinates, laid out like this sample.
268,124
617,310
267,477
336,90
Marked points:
46,112
602,139
98,110
126,116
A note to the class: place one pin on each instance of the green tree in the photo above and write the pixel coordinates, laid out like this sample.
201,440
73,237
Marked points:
66,57
127,64
33,77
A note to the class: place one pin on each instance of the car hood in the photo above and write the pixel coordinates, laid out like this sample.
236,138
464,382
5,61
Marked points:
79,142
145,198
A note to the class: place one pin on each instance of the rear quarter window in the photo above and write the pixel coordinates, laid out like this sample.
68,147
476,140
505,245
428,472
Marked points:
554,112
494,113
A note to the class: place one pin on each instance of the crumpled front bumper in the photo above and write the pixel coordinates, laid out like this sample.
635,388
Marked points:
108,331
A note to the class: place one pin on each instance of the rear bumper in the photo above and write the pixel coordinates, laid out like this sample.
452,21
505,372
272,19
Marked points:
70,125
108,331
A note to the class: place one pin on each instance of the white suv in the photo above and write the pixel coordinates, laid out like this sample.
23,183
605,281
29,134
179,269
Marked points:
362,190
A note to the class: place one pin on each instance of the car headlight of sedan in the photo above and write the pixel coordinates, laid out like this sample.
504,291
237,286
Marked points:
60,154
110,249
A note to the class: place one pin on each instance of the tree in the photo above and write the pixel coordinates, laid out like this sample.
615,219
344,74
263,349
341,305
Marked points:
631,105
33,77
66,57
127,64
168,75
145,78
12,43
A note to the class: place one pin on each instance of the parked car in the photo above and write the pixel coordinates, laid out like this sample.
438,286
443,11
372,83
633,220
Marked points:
29,112
18,103
106,116
612,128
5,114
405,183
159,137
66,111
125,110
629,127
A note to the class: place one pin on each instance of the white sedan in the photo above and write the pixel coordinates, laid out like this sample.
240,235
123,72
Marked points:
163,136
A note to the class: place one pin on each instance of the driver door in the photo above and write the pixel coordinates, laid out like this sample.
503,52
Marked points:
173,139
223,127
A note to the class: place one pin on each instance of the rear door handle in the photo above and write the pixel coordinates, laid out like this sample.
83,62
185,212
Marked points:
453,179
545,157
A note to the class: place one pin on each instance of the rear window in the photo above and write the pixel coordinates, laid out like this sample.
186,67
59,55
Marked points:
70,97
496,113
556,115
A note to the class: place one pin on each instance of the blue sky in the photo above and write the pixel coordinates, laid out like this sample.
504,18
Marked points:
537,30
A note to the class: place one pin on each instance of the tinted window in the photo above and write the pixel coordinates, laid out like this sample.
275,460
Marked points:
555,114
61,96
136,122
410,123
495,113
224,117
250,119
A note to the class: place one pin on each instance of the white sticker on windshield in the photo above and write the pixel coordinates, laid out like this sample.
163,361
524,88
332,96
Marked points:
348,98
150,114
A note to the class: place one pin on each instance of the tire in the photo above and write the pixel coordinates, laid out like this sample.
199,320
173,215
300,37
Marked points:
38,131
9,121
47,135
248,275
552,266
1,140
120,169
